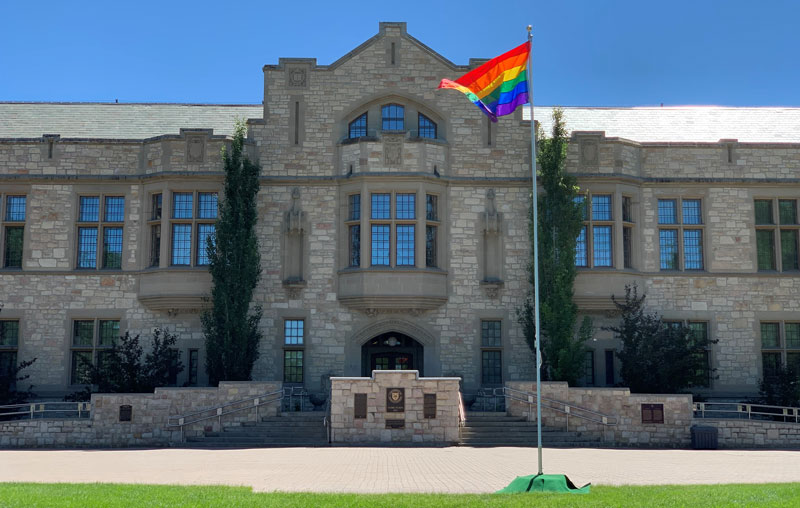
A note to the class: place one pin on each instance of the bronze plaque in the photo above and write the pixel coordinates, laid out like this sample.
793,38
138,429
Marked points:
395,424
652,413
395,400
360,405
429,405
125,413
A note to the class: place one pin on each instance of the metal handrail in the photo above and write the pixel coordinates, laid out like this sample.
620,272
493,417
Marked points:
219,411
747,410
326,420
31,409
556,405
462,412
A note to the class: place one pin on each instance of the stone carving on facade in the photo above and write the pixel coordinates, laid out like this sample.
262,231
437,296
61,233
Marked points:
297,77
589,152
393,149
294,247
195,149
376,311
492,247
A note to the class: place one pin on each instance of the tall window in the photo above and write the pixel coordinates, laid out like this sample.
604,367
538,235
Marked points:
594,245
354,229
431,229
393,117
194,357
155,229
780,346
588,367
9,345
680,235
400,219
358,127
13,226
100,226
491,353
426,127
192,227
91,339
294,349
627,232
777,241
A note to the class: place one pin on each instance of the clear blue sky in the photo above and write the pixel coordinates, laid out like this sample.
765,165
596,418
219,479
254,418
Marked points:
587,53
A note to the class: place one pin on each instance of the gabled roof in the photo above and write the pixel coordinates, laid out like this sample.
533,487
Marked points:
692,124
118,121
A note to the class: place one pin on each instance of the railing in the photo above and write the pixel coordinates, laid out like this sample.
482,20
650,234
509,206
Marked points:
462,412
294,399
502,395
743,410
32,410
225,409
326,420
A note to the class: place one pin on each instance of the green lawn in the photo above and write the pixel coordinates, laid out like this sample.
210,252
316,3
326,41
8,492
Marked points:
30,495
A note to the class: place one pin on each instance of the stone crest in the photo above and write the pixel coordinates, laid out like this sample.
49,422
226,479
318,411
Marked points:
195,149
393,150
395,400
296,78
589,150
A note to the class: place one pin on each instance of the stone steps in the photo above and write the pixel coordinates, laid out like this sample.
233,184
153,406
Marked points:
287,429
500,429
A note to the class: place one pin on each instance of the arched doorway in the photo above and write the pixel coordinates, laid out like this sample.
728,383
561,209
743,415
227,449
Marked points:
391,351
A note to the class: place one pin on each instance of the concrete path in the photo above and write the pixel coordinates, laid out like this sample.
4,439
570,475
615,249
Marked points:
450,470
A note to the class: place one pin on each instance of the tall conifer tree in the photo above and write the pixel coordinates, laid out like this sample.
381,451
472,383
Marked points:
231,326
560,222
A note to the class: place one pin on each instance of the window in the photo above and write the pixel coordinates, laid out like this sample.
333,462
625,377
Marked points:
354,230
680,235
777,244
609,363
780,346
100,226
9,345
154,223
91,339
426,127
594,245
588,368
13,231
358,127
700,331
294,344
491,353
191,227
393,117
403,222
627,232
431,230
194,357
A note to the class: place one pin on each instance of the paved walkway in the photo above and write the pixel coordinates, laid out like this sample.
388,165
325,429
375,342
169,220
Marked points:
457,469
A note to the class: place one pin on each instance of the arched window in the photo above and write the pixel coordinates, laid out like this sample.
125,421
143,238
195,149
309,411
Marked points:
426,127
358,127
393,117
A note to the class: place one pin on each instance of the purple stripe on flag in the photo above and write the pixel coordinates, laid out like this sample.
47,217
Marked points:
509,107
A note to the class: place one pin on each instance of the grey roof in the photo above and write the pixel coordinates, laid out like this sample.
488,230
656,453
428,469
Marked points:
118,121
646,124
681,123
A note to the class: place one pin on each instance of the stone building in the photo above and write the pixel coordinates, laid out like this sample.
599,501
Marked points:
393,225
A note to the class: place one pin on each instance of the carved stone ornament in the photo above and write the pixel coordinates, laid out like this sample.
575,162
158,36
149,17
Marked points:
393,150
491,218
195,149
492,288
296,77
374,312
175,311
294,217
589,152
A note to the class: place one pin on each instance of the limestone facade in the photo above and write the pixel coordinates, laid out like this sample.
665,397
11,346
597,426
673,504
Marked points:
446,308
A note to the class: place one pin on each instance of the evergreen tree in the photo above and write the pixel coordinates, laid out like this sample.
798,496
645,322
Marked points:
231,326
657,357
560,222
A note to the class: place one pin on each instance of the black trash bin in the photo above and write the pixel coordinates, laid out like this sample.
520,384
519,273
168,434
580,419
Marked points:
704,438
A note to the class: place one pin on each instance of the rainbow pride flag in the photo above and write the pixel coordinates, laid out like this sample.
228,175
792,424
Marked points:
499,85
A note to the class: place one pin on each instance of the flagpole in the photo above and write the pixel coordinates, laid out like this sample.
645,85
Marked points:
535,256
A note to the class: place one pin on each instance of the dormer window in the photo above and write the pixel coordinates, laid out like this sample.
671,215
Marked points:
426,127
358,127
393,117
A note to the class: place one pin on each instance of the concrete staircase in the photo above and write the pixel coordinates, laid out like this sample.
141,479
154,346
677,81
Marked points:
285,430
500,429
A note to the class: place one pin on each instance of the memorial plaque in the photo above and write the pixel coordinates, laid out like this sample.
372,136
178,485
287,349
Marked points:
395,400
125,413
652,413
429,405
395,424
360,405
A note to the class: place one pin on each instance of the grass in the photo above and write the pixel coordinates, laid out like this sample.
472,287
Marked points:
97,495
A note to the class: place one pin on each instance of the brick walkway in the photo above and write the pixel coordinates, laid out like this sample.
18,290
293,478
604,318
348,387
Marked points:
457,469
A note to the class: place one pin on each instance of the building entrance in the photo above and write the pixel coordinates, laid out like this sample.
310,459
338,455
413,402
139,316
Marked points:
391,351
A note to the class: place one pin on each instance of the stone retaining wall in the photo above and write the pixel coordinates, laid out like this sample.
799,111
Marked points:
754,433
150,413
614,402
345,428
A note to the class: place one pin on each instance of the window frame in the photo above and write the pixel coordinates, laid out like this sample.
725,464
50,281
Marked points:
101,225
9,223
776,228
392,121
10,350
296,347
95,349
421,117
782,350
490,350
352,124
680,228
588,230
194,222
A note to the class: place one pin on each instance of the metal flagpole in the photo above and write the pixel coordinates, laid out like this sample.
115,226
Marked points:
535,254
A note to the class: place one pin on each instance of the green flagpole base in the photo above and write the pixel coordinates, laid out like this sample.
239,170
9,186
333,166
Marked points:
557,483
